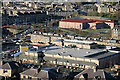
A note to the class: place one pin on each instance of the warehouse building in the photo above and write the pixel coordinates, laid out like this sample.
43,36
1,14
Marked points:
83,58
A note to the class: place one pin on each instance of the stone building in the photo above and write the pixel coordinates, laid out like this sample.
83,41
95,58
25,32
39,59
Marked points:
39,74
74,23
116,32
105,8
83,58
31,57
93,75
58,41
86,23
9,69
22,16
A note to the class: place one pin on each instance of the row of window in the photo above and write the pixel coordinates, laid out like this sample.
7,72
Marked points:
30,78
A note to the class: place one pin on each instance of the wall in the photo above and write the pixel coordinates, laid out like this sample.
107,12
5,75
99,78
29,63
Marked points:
56,56
109,61
8,73
71,25
23,49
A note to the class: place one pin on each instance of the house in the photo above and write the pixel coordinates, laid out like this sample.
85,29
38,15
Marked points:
31,57
116,32
105,8
90,74
39,74
9,69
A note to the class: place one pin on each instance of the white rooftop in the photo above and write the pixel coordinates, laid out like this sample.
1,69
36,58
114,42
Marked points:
78,41
76,52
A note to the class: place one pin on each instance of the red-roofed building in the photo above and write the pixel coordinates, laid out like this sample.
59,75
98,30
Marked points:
74,23
86,23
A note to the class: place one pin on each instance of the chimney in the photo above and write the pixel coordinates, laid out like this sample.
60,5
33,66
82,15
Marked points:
1,62
20,61
95,69
38,70
58,69
118,73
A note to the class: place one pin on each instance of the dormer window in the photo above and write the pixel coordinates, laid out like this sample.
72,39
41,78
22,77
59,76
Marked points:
5,71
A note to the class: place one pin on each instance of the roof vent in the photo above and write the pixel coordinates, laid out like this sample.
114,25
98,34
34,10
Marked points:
78,48
87,52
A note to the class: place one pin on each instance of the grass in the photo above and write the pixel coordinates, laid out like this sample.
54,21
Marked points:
89,32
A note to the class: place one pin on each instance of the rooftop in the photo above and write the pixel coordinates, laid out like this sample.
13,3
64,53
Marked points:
98,74
10,65
102,55
86,20
42,73
76,52
77,20
76,41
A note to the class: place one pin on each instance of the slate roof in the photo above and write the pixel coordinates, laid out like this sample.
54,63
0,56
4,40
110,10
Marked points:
10,65
43,73
91,74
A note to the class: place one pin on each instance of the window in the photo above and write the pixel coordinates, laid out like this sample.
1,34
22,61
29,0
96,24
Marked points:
5,71
39,79
29,77
23,76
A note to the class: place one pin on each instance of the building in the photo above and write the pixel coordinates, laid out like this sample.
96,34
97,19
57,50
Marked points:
116,33
57,40
74,23
39,74
11,16
23,48
76,43
94,75
117,65
83,58
31,57
86,23
105,8
10,69
44,37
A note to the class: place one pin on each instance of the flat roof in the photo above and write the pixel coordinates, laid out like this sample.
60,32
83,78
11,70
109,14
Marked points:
76,20
79,41
75,52
76,41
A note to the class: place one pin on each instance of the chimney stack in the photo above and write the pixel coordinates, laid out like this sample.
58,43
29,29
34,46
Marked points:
95,69
58,69
1,62
38,70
